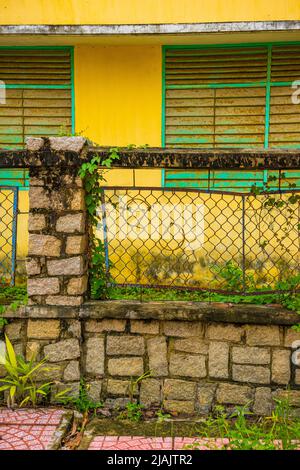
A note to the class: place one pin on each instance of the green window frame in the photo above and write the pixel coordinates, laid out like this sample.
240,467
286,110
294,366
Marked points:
19,178
268,84
37,80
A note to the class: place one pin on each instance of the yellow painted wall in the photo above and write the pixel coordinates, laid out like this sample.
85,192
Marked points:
22,226
144,11
118,94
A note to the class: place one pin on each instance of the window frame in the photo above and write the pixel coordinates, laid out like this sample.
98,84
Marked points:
70,49
264,83
19,181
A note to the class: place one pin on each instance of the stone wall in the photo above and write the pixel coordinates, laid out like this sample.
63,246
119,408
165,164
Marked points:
199,355
194,364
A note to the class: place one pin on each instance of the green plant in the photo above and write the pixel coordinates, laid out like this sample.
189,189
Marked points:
291,300
82,403
11,294
134,383
22,379
133,412
233,277
11,298
93,176
3,322
240,431
64,131
162,416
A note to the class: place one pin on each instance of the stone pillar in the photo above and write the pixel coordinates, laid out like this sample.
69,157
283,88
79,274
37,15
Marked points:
57,262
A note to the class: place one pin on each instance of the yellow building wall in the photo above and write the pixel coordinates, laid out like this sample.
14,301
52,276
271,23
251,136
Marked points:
22,225
145,11
118,94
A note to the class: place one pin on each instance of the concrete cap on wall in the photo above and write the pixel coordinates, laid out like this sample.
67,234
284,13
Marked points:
58,144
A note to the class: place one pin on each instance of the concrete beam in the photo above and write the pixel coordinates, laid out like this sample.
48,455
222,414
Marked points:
149,29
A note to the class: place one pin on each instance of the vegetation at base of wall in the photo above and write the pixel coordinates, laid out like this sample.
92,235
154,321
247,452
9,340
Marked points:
11,298
279,431
291,302
12,294
134,411
22,382
84,405
82,402
3,322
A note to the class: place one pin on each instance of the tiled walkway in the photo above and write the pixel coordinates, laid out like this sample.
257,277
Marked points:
43,429
153,443
29,429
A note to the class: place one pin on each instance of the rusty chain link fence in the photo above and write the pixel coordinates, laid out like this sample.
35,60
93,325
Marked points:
8,233
202,240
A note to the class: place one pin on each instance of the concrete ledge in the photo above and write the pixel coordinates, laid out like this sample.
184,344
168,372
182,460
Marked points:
46,156
167,310
190,311
149,29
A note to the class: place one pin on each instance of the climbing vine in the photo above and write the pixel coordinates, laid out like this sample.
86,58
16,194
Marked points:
92,173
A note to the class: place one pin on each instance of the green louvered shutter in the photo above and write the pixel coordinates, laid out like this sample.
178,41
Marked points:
284,115
215,97
38,97
240,181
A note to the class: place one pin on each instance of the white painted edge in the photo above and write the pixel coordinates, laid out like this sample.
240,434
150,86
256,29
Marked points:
149,29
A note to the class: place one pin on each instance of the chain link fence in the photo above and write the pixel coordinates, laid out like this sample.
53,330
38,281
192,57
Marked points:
8,233
201,240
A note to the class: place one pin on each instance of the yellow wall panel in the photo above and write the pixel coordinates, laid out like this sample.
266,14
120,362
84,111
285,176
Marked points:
125,177
148,178
118,177
22,228
118,93
144,11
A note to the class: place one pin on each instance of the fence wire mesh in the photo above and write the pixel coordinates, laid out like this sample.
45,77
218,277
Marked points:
8,230
201,240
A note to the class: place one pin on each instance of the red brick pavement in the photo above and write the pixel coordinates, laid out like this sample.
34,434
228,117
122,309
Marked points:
28,429
153,443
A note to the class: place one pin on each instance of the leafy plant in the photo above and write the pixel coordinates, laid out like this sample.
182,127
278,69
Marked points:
11,294
133,412
11,298
233,277
21,380
162,416
82,403
3,322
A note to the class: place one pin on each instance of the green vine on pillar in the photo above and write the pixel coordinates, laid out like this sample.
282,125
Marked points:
92,174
